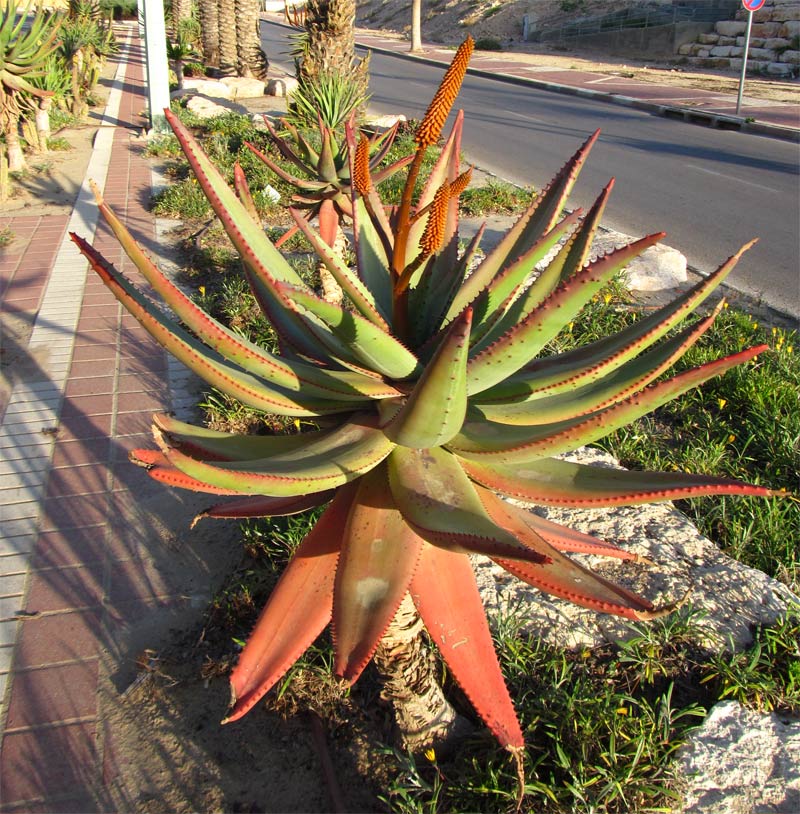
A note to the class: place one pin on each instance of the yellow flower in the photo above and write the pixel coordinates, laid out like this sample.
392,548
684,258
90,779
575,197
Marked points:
202,290
722,403
430,754
731,438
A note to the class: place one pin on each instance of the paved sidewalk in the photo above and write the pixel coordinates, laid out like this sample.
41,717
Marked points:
74,568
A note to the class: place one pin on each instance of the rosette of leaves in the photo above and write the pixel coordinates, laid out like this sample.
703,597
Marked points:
25,46
435,395
322,178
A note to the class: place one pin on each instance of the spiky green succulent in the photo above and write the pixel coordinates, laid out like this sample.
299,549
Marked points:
435,393
323,187
25,47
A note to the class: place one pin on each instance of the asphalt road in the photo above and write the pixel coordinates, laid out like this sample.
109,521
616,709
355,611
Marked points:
710,190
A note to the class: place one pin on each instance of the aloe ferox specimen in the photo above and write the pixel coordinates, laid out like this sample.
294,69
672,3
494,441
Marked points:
434,394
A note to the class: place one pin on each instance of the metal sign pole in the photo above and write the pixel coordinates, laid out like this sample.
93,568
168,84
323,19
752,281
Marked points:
744,61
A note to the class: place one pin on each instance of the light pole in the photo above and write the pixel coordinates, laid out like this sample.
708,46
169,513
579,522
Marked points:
155,46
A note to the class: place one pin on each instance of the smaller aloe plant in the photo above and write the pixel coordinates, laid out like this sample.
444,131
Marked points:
435,395
324,186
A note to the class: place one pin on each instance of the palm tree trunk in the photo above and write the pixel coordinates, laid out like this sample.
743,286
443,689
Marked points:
423,715
330,47
227,36
251,60
209,32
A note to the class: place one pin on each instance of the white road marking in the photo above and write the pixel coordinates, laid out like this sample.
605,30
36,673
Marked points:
731,178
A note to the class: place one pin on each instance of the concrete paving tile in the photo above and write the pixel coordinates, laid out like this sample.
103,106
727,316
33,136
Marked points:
14,564
65,589
10,607
8,635
50,761
12,584
72,547
59,637
6,659
20,511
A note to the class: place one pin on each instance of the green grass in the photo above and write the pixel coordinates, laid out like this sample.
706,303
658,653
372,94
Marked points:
495,197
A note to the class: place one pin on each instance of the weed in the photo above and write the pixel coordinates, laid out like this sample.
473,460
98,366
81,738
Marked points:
488,44
495,197
58,144
6,237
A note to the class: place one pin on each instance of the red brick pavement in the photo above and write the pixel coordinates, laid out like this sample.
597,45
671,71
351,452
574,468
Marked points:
88,577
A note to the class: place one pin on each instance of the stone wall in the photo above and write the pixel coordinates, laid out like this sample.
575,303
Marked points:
774,42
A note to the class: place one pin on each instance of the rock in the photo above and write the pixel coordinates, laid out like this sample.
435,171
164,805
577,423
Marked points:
765,30
708,39
726,40
244,87
792,57
790,29
734,597
721,51
658,268
284,86
788,14
704,53
730,28
780,69
761,53
777,44
755,42
208,108
384,122
741,761
207,87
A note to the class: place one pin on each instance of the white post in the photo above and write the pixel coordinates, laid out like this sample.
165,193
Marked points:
155,44
744,61
140,17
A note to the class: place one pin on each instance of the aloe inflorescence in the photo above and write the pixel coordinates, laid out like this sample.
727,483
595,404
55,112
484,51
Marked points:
435,395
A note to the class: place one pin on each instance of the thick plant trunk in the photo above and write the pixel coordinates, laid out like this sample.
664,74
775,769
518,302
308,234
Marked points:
424,717
10,122
177,66
227,36
209,32
251,60
43,122
416,25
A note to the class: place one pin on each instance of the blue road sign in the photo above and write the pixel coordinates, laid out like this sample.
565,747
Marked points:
753,5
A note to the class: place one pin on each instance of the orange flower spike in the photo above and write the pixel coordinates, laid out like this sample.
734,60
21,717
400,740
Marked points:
439,109
461,183
432,237
361,177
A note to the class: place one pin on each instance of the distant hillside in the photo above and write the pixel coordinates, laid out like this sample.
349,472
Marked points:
449,21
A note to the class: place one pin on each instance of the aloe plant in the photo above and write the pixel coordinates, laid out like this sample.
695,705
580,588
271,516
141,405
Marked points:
435,396
324,186
24,51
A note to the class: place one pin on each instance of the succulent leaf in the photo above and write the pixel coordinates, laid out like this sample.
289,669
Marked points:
555,482
297,612
378,558
446,595
325,462
435,409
